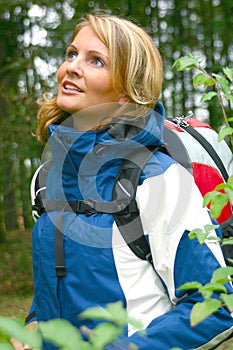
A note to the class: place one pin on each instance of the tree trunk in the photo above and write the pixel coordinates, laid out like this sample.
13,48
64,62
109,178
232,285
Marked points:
24,194
9,198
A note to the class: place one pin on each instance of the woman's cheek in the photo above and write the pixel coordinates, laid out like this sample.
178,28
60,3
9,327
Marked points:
61,73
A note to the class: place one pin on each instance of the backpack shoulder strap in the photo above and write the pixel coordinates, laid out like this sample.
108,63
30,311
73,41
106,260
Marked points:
176,149
129,223
209,148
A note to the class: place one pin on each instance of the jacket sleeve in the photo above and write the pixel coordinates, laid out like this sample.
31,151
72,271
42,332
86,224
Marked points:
177,260
173,330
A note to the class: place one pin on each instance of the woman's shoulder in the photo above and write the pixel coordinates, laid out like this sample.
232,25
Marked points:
157,165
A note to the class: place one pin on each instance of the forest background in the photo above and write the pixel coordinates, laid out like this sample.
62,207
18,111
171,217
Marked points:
33,39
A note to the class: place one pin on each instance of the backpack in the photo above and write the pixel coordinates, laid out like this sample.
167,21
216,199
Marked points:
185,140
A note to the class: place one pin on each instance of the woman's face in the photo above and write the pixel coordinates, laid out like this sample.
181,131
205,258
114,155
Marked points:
84,78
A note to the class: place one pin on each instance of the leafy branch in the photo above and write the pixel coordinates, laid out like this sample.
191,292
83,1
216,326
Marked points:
67,337
223,193
222,82
202,310
217,200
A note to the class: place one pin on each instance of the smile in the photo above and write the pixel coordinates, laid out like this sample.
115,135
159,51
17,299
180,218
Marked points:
67,86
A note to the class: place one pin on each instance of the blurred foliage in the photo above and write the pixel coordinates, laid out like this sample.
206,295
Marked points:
16,265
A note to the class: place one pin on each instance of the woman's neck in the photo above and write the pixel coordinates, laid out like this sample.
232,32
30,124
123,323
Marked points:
95,117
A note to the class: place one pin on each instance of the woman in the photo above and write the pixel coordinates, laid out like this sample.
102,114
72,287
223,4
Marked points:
106,105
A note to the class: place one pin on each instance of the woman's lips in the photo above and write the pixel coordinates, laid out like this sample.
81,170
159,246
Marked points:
71,88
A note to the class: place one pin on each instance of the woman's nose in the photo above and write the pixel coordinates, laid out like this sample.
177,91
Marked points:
75,67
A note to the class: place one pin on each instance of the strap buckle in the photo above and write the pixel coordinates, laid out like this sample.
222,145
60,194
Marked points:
183,120
89,206
38,206
60,271
86,207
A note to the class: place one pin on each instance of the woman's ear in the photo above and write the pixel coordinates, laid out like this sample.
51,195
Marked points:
123,100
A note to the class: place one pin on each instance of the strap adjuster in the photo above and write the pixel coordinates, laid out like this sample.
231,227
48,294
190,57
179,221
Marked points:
86,207
60,271
38,206
149,257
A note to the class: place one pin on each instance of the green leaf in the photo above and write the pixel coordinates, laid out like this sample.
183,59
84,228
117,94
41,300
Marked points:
208,228
185,62
103,334
226,131
208,96
213,287
228,188
199,234
136,324
96,313
209,197
229,185
228,300
221,275
114,312
203,79
229,73
229,97
216,239
200,311
229,192
230,180
193,234
62,333
118,313
217,204
221,187
190,286
209,288
227,241
229,119
206,293
6,346
224,83
15,329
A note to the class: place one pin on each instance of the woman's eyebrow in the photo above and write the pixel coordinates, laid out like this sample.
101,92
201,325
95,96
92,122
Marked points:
99,53
72,45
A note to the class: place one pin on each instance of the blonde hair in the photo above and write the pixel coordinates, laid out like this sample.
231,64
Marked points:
136,65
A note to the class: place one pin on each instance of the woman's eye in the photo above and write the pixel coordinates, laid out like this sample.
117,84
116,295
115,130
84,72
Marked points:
70,55
98,62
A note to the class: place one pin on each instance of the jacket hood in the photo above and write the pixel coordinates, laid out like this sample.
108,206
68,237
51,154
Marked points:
147,130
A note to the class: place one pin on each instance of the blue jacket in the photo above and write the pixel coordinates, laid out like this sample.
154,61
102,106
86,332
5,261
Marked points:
100,267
